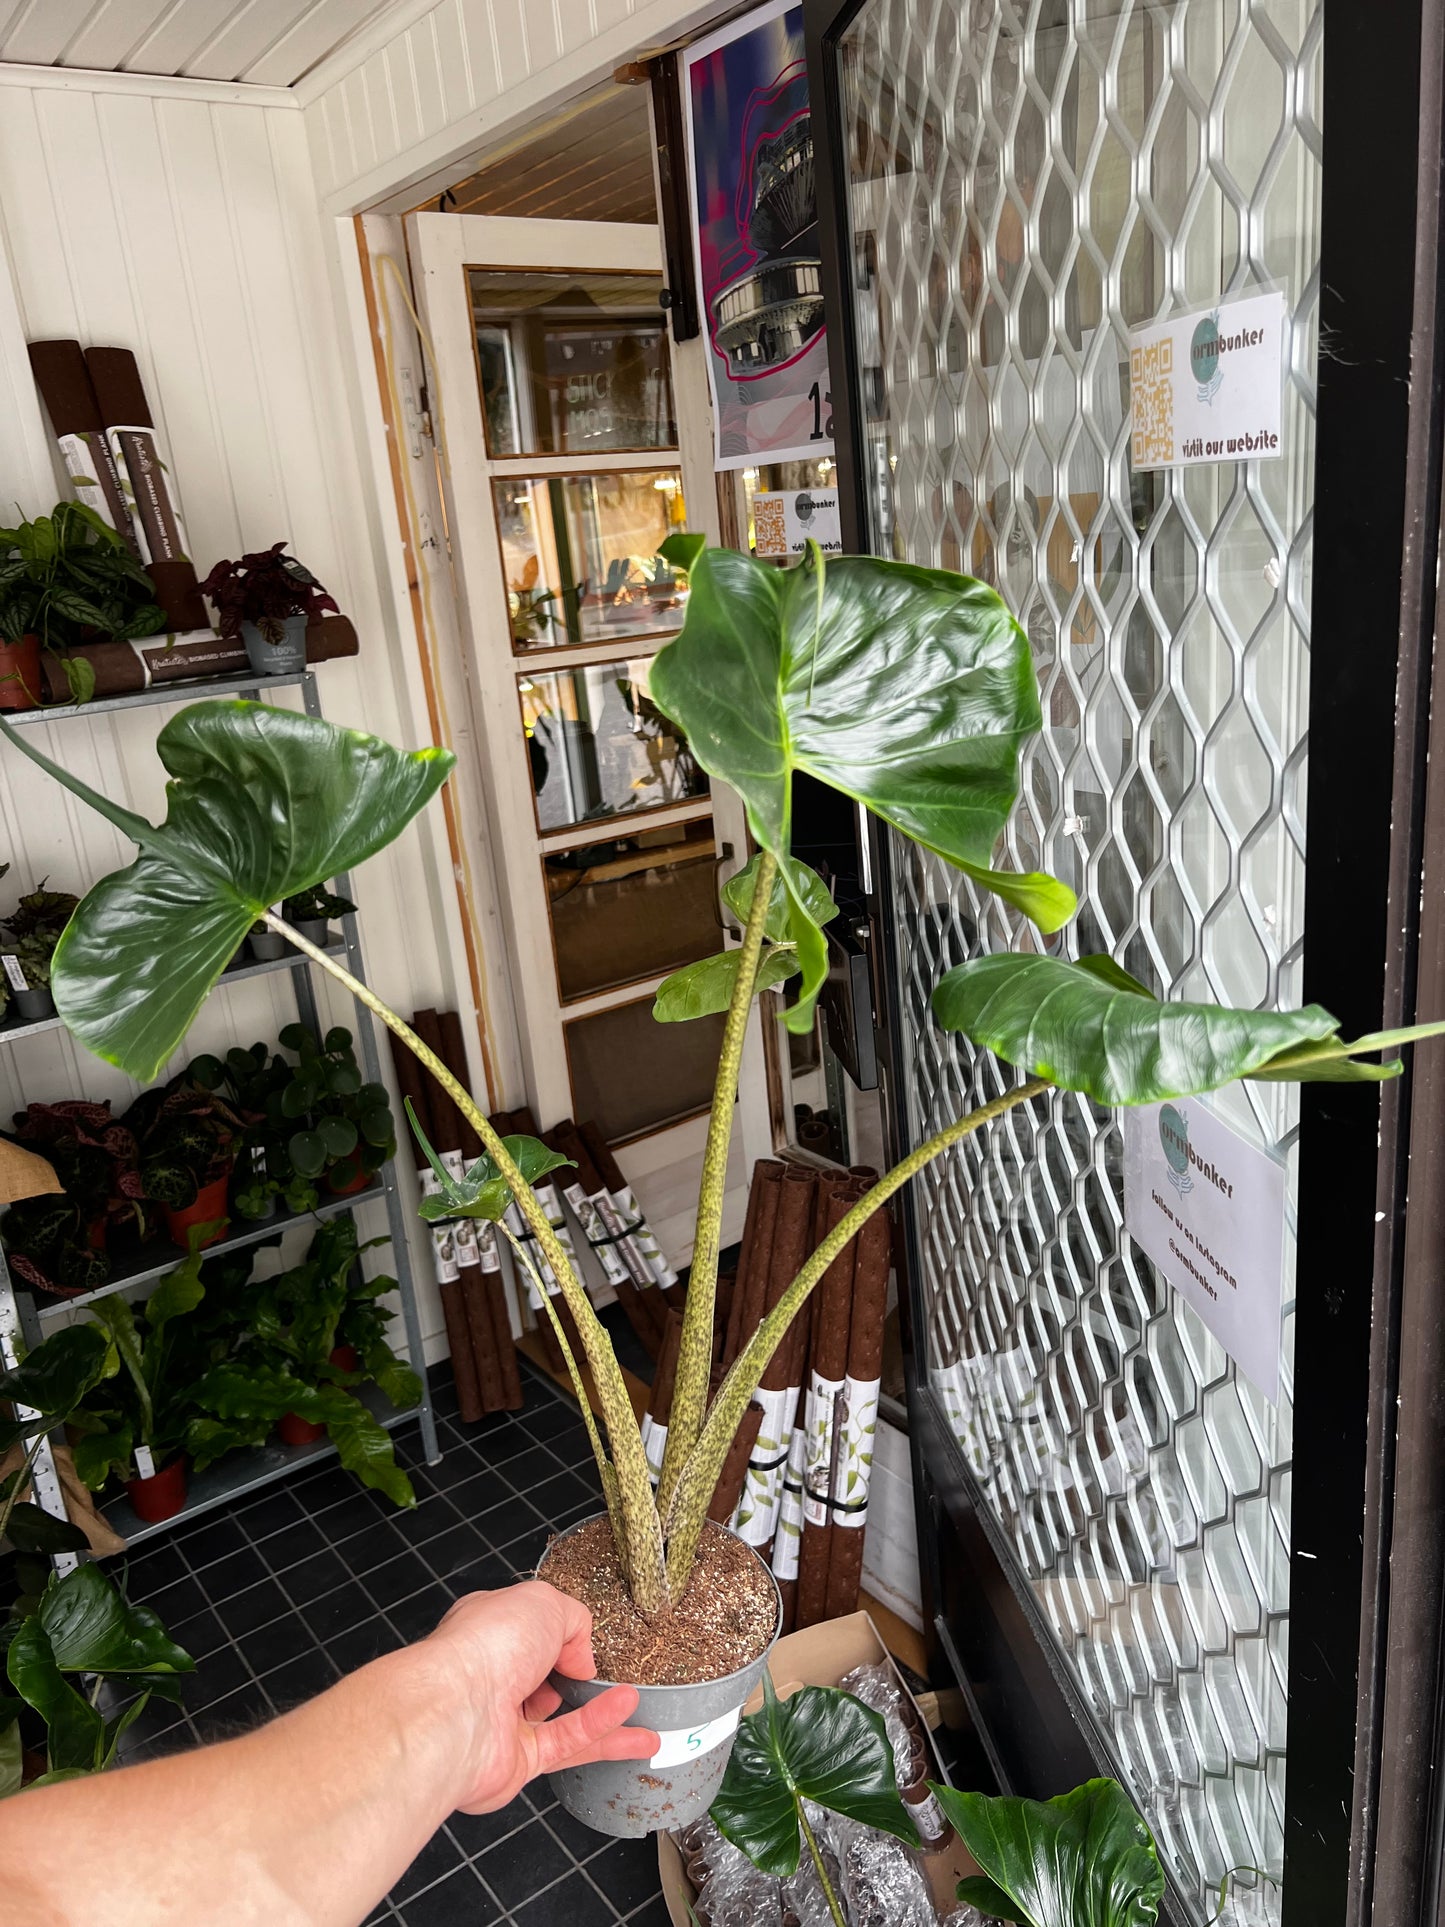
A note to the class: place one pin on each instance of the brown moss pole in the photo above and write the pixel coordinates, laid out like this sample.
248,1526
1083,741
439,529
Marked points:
828,1366
865,1366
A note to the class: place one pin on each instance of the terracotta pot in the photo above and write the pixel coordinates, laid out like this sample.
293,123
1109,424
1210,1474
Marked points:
353,1185
96,1233
20,682
292,1429
209,1206
345,1358
162,1495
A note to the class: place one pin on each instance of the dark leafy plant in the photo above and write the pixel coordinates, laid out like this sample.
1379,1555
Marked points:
188,1139
911,690
148,1401
1085,1859
96,1159
69,578
264,587
316,906
52,1381
42,913
284,1364
822,1745
81,1626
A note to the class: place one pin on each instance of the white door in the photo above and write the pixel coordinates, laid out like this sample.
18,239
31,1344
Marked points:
565,469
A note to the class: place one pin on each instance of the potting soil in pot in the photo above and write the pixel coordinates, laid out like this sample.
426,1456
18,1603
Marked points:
724,1620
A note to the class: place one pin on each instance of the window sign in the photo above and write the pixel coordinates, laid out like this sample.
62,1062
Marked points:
1208,1207
1207,385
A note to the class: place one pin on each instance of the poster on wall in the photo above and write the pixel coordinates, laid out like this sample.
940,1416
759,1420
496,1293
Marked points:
755,238
785,521
1208,385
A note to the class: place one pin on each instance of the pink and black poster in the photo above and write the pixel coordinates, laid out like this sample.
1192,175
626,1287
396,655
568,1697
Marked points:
755,230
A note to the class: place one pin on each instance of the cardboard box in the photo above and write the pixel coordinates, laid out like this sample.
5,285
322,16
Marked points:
820,1656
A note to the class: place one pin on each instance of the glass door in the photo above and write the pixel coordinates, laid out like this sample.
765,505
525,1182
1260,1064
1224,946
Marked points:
566,473
1025,185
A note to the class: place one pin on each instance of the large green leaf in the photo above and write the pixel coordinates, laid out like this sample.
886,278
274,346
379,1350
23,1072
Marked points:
363,1445
263,803
1082,1027
806,885
75,1732
1085,1859
92,1628
55,1377
118,1319
32,1529
821,1745
702,988
11,1758
482,1191
910,689
178,1293
234,1390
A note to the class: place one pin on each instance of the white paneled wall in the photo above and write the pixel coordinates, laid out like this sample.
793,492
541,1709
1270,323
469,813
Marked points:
184,224
391,116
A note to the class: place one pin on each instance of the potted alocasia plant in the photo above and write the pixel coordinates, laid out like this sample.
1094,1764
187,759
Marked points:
267,599
911,690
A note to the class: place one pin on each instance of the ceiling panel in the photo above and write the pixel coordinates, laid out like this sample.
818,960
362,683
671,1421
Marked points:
593,165
270,41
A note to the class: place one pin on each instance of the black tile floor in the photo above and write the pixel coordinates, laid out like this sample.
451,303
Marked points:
291,1589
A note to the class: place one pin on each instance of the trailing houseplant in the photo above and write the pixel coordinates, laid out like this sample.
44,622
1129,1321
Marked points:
66,578
266,599
910,690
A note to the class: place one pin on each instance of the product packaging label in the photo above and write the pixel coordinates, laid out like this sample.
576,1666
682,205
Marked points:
683,1743
855,1461
818,1423
756,1518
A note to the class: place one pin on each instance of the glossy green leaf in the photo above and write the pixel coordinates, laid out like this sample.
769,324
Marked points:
118,1320
682,550
363,1445
177,1294
11,1758
99,1454
807,886
1085,1859
699,989
307,1151
55,1377
482,1192
31,1529
821,1745
93,1629
236,1390
1085,1032
75,1732
262,803
209,1439
910,689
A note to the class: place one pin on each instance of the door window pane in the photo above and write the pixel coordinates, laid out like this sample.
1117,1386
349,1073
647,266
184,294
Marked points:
632,1075
580,554
634,908
571,363
597,746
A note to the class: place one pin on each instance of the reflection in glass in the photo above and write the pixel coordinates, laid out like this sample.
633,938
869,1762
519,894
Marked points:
598,747
629,1078
580,554
634,908
572,363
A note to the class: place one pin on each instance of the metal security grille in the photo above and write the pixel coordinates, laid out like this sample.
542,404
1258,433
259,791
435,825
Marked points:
1026,183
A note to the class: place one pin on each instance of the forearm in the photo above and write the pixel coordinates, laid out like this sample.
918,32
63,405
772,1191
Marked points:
308,1820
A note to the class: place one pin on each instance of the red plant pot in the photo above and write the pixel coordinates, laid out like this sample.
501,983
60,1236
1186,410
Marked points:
346,1358
209,1206
95,1234
162,1495
358,1183
292,1429
20,682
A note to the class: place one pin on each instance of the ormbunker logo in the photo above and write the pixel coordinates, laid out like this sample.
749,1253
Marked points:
1204,359
1174,1136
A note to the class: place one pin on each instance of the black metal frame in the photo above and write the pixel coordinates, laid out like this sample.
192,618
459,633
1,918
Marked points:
1377,538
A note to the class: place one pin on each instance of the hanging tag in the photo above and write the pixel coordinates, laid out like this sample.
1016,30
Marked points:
14,972
145,1465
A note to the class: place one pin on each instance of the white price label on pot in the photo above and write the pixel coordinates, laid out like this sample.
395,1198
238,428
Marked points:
14,972
145,1465
690,1742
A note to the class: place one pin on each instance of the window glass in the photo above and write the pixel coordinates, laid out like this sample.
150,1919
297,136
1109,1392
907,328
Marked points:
597,746
633,908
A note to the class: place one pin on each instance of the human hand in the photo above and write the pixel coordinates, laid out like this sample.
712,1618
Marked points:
494,1651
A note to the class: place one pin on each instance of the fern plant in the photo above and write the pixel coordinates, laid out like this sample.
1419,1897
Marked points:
910,690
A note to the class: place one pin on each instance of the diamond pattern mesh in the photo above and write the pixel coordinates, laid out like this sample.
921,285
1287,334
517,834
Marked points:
1027,182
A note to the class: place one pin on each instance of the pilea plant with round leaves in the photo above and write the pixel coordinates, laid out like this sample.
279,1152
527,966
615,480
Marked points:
911,690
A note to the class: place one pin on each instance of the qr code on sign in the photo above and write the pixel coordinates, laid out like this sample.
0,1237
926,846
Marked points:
1151,400
770,525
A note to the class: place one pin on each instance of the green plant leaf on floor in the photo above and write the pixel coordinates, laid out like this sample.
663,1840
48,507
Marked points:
703,988
910,689
263,803
1088,1026
822,1745
1085,1859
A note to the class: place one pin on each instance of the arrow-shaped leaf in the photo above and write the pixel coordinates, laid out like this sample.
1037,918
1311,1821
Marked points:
482,1192
699,989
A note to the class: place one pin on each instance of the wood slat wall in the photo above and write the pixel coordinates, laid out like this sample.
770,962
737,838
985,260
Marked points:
188,230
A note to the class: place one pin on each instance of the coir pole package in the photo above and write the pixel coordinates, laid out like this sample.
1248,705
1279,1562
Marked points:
65,387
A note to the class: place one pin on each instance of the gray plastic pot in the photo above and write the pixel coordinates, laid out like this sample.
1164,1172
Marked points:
315,930
32,1005
284,658
632,1798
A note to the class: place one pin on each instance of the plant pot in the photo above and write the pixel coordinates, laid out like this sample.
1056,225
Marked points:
292,1429
629,1799
20,680
350,1186
268,945
209,1205
162,1495
32,1005
314,929
345,1358
284,658
96,1233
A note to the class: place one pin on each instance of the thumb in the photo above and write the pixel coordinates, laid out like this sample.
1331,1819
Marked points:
595,1732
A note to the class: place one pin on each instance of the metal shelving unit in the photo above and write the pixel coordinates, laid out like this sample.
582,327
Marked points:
22,1319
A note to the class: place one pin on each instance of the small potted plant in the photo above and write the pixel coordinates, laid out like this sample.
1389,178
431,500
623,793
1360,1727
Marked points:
312,911
188,1141
266,945
66,578
35,929
266,599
